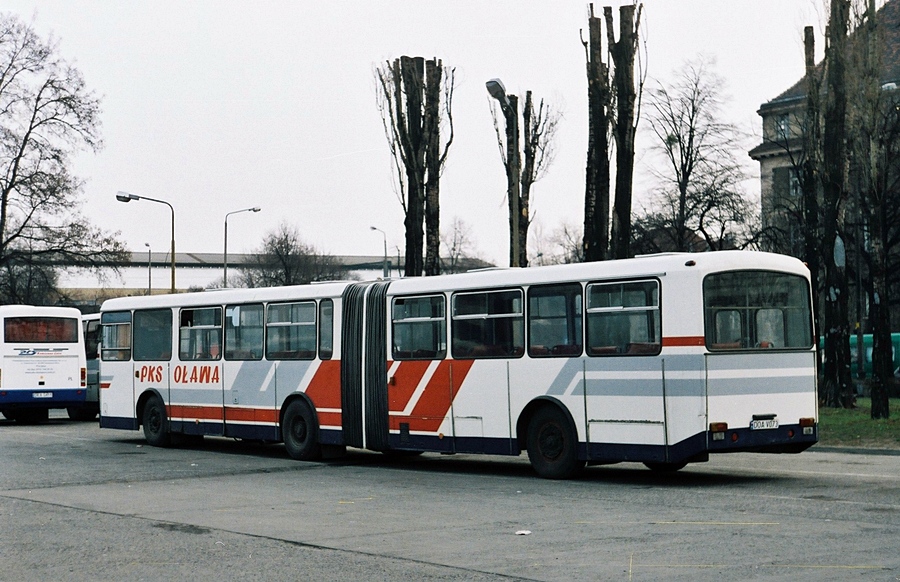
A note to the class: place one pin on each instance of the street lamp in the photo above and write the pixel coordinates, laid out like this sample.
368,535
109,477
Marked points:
509,106
386,270
126,197
149,269
225,253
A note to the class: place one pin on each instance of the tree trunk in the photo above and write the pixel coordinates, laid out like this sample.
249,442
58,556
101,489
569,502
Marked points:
413,71
433,167
595,243
623,57
812,143
838,389
513,177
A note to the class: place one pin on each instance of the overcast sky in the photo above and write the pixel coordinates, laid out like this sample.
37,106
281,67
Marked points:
220,105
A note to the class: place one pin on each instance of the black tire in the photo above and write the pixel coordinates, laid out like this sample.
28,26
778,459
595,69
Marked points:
156,423
665,467
552,444
300,432
81,413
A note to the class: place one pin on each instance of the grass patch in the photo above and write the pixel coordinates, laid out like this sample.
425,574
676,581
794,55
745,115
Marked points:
839,427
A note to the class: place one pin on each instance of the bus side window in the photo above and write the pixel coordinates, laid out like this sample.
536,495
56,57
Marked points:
200,334
488,324
291,331
326,329
554,320
419,328
623,319
152,335
115,336
244,332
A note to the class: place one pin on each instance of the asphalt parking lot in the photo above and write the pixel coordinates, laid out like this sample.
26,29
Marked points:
81,503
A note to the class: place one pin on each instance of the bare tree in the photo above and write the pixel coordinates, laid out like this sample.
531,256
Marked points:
538,149
47,114
415,98
623,52
596,195
284,259
562,246
701,204
838,387
458,244
873,141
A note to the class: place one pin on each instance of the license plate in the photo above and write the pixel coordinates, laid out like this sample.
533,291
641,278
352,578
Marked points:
42,395
763,424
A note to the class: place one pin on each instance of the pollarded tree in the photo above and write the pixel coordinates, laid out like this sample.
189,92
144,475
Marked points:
526,166
47,114
415,97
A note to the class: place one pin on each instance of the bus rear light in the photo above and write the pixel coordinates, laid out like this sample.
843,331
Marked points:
718,430
808,425
83,377
734,437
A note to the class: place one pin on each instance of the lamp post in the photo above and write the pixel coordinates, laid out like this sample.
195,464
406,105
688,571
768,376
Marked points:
126,197
149,269
509,106
225,253
386,270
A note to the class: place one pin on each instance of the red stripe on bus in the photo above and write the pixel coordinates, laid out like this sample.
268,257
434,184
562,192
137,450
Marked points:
433,405
184,412
331,419
683,341
403,383
325,387
251,415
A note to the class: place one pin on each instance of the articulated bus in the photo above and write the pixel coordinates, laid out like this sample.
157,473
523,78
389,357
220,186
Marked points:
661,359
43,363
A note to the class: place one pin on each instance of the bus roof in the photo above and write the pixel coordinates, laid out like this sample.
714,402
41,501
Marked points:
644,266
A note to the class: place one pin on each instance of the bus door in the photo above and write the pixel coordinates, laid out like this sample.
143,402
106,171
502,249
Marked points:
196,403
624,384
118,372
248,381
488,344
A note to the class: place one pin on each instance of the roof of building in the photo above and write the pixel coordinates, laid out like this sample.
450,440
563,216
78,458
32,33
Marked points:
888,16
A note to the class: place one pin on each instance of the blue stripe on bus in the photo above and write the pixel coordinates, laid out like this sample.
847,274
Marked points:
61,397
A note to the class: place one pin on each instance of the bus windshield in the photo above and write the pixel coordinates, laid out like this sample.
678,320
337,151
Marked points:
40,330
757,310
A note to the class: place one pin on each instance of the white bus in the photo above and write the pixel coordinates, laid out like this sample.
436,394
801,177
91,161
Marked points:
43,362
661,360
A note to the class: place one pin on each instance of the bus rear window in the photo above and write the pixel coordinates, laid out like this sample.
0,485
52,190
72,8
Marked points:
40,330
757,310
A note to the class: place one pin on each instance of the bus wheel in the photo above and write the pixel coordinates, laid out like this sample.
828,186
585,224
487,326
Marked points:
300,430
551,444
665,467
156,424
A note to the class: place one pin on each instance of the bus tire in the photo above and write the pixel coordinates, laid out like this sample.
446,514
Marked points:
300,432
665,467
551,442
156,423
